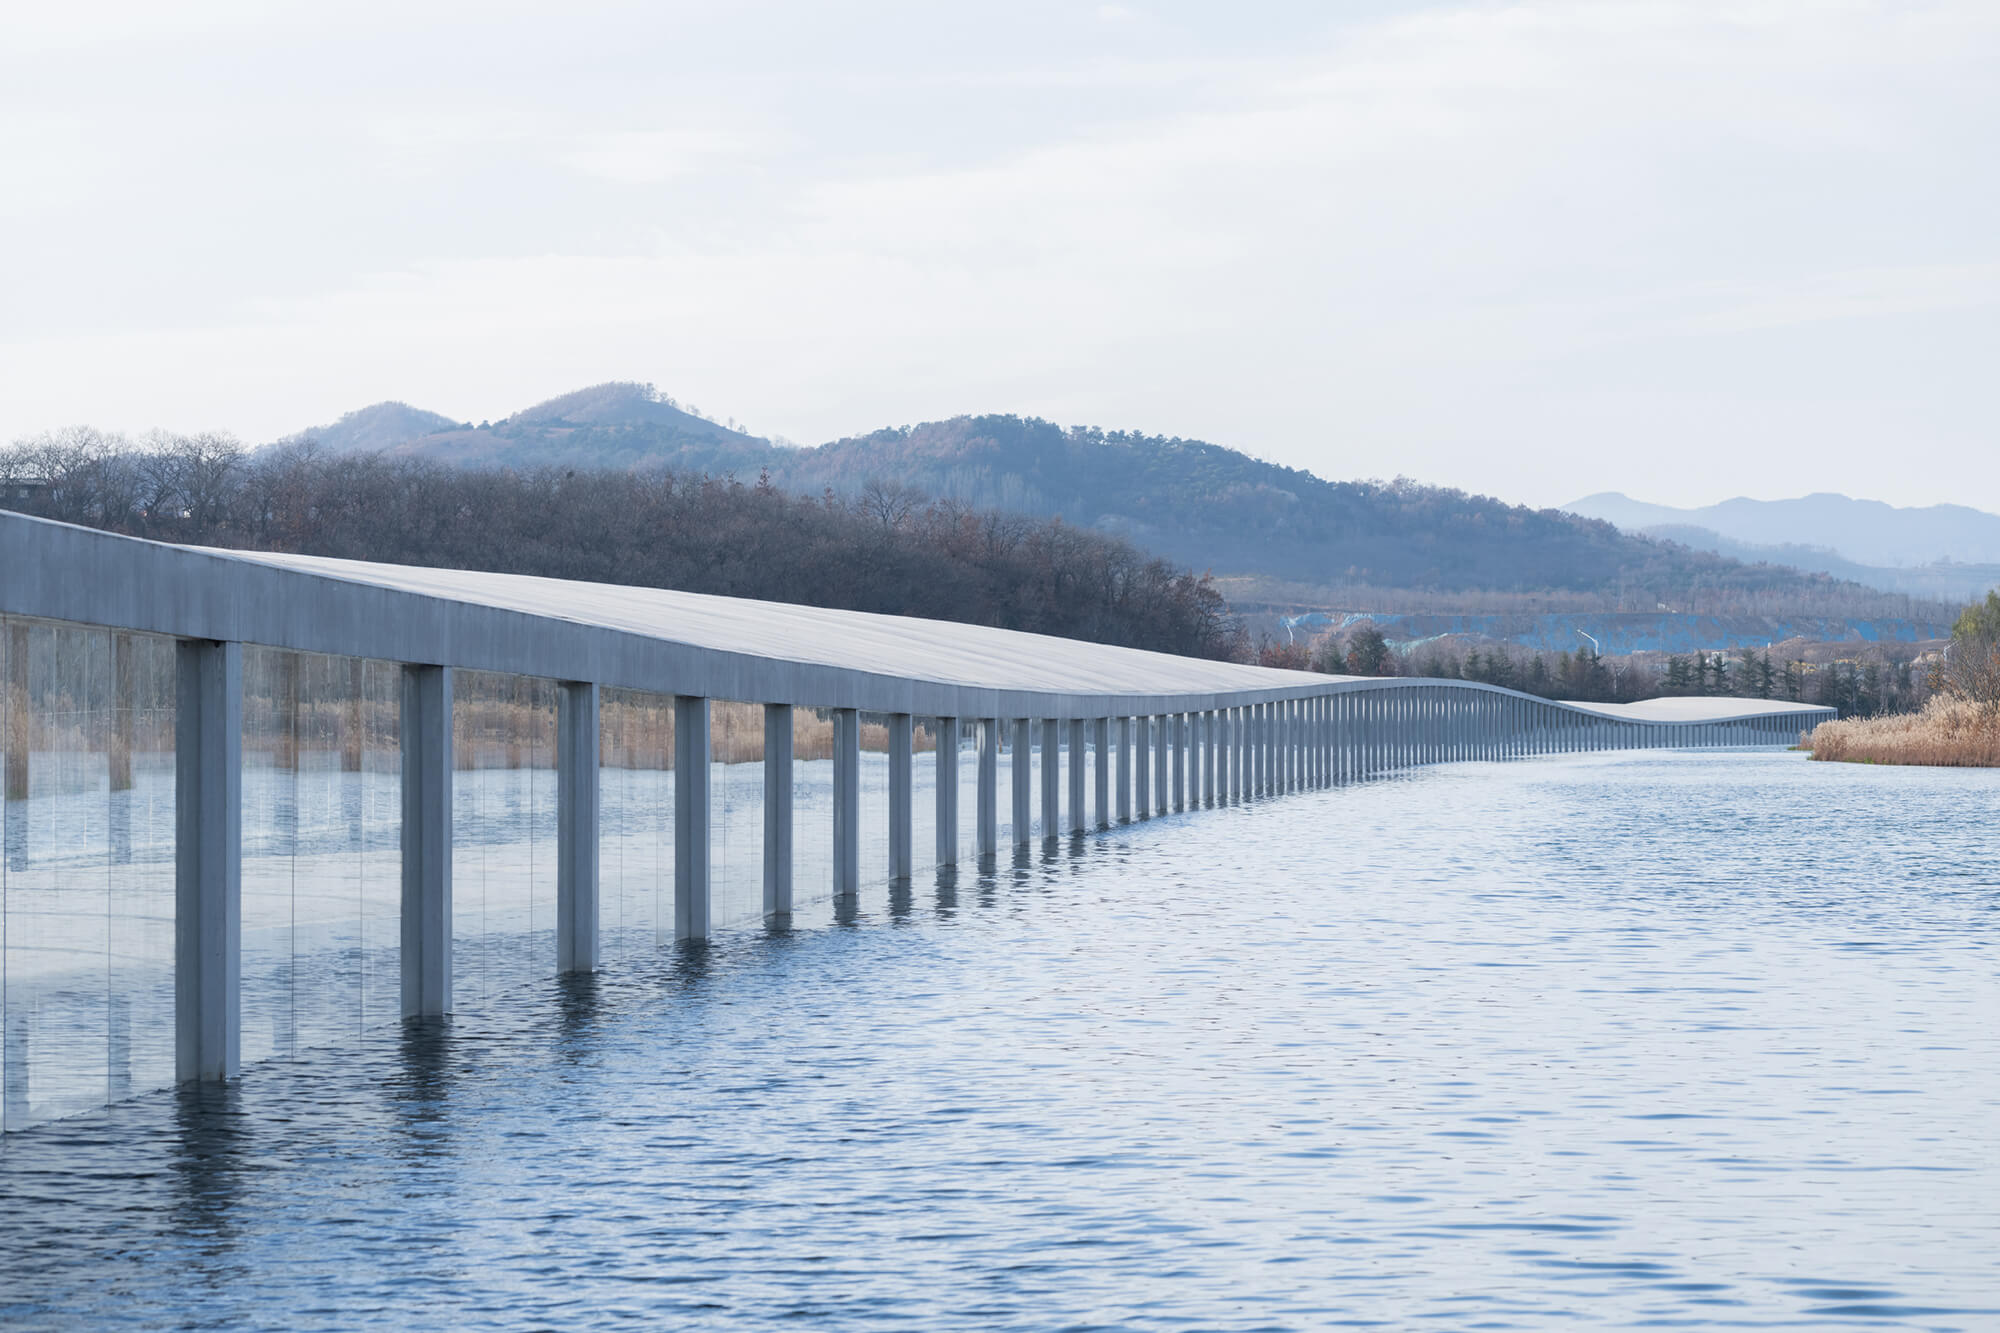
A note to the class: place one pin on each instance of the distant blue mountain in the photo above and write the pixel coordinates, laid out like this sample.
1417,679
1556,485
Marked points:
1865,532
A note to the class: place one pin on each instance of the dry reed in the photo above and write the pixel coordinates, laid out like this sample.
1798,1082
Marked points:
1948,733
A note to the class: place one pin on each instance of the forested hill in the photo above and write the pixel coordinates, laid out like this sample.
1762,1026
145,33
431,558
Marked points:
1193,502
1222,510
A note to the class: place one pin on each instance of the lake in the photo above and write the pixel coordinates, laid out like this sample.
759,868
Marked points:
1706,1039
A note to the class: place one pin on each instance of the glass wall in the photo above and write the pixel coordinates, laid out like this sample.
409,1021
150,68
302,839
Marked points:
736,813
322,860
503,837
86,868
635,850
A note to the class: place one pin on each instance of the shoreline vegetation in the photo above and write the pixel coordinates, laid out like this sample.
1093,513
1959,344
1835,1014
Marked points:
1948,733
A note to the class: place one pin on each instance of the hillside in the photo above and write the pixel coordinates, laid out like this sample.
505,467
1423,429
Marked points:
1219,509
1187,500
615,425
381,426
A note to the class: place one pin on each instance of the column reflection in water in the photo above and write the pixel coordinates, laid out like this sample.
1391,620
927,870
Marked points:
503,835
86,868
321,850
635,831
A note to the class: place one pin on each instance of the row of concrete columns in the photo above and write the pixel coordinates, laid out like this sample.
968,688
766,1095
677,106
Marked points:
1119,768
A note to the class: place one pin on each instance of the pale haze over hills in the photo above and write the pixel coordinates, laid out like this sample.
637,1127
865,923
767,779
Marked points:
1941,551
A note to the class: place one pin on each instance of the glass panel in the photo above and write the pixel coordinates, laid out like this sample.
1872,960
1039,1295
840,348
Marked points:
736,813
503,812
86,868
635,912
322,876
812,816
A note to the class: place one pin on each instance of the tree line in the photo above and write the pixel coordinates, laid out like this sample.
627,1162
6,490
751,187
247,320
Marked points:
883,550
1877,683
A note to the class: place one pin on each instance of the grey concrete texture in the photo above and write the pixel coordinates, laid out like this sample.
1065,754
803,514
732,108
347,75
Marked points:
653,639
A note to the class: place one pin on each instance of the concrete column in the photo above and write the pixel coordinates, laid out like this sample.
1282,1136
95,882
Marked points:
691,829
778,750
1221,721
1079,759
1022,769
208,860
1163,758
1211,746
989,786
1177,727
1142,768
576,826
1295,747
1267,751
947,791
1123,727
1051,777
846,803
1101,752
427,778
902,734
1239,766
1309,723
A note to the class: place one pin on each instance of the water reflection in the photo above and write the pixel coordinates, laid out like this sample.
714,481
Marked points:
1655,1039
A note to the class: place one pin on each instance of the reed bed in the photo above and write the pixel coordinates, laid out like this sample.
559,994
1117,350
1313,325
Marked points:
1948,733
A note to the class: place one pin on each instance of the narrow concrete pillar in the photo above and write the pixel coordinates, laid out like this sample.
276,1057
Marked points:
1142,769
1079,759
989,786
778,752
427,779
208,860
1051,777
1101,753
577,711
1163,760
1121,727
1023,772
691,825
1211,744
947,791
1239,759
846,803
902,856
1219,753
1177,724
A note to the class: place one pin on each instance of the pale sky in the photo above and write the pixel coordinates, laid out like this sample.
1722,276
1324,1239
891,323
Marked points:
1686,251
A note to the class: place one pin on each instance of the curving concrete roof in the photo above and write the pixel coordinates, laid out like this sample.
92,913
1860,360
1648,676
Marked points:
650,638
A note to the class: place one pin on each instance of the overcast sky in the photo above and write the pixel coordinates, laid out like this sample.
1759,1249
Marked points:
1686,251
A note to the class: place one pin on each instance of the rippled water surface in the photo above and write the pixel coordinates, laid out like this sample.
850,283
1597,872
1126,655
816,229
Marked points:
1704,1040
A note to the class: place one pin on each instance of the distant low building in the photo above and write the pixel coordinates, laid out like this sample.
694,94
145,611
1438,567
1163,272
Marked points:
19,492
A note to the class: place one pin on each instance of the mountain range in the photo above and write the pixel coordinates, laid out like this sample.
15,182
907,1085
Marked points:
1286,535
